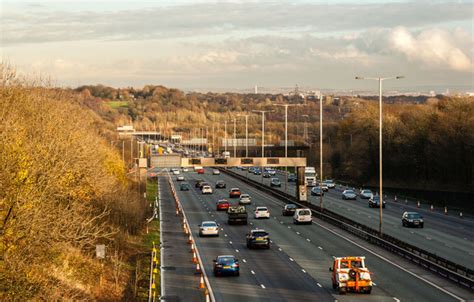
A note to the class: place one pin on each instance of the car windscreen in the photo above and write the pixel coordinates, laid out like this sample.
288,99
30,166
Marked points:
305,212
350,192
259,234
366,192
291,206
414,216
209,224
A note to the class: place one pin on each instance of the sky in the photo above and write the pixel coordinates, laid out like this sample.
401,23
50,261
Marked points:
239,44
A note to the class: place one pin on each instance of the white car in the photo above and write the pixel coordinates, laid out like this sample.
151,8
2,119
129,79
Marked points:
208,228
271,172
262,212
180,178
206,190
302,216
216,172
175,172
185,169
245,199
366,194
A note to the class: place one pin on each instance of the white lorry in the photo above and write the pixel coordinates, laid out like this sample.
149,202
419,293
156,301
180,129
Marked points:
310,176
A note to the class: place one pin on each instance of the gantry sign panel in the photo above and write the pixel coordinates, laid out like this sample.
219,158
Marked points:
244,162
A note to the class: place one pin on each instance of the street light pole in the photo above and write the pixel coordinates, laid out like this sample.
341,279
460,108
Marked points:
321,152
246,134
380,80
235,139
225,137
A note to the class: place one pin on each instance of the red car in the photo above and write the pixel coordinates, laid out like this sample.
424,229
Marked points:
234,193
222,205
200,171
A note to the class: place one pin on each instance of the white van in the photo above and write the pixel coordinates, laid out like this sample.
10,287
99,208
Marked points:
302,216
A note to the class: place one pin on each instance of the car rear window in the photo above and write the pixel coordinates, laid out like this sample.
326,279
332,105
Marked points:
413,216
305,212
261,209
259,234
226,261
244,196
350,191
208,224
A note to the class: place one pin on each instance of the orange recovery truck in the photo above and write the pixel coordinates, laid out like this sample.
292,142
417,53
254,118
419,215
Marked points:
349,274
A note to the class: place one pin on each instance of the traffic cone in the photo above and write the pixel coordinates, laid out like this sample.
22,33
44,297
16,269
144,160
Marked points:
395,198
194,258
190,240
198,268
431,208
445,210
201,282
418,204
208,299
192,248
406,201
460,214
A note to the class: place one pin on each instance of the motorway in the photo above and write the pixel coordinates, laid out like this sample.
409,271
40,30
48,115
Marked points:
447,236
296,266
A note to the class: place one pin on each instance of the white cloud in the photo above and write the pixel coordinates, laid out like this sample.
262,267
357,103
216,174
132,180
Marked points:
432,47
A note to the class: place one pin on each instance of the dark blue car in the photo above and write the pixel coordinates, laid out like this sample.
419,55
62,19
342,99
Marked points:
226,265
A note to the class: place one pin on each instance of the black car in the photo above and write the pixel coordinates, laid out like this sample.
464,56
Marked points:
412,219
220,184
316,191
258,238
289,209
374,202
266,174
291,177
184,186
275,182
199,183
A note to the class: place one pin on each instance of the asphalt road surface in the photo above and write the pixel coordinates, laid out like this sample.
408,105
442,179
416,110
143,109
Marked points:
296,266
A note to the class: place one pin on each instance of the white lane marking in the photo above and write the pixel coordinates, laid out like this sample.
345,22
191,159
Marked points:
303,271
263,286
307,239
279,249
222,229
253,273
289,227
230,242
398,300
251,223
320,248
298,233
281,222
236,250
291,259
374,283
320,286
212,215
245,261
271,241
225,235
392,263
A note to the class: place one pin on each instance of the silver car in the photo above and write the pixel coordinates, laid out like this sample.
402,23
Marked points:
245,199
208,228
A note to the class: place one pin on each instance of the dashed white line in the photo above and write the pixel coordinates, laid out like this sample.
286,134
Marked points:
230,242
374,283
236,250
398,300
253,273
291,259
298,233
289,227
225,235
245,261
303,271
320,248
222,229
263,286
279,249
320,286
307,239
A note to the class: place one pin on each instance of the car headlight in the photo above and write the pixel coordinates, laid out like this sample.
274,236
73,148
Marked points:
364,276
343,277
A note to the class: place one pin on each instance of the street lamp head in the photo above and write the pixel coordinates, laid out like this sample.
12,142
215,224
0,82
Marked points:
400,77
359,78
